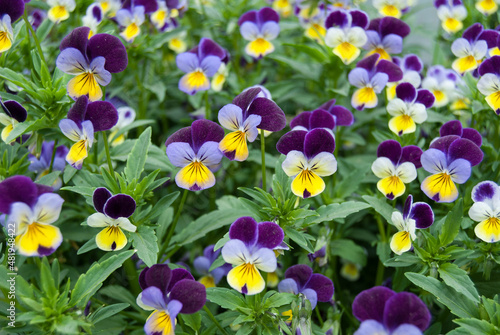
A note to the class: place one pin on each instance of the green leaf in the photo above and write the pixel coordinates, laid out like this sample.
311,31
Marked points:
105,312
380,206
313,52
46,279
144,241
226,298
162,205
299,238
192,320
219,261
279,299
49,179
458,279
348,250
90,282
336,211
452,224
475,326
137,157
89,245
120,293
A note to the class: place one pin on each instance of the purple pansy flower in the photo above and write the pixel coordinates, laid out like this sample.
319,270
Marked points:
396,166
486,211
199,64
41,165
244,117
260,28
91,60
370,76
195,149
318,118
313,18
250,249
203,263
411,65
10,11
451,13
381,310
112,215
131,19
33,208
166,17
442,83
385,37
341,115
489,83
418,215
13,114
167,293
320,256
408,108
309,156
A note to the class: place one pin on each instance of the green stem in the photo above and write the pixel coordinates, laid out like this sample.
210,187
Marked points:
171,229
35,38
108,156
214,320
132,276
263,155
207,106
380,268
320,319
53,156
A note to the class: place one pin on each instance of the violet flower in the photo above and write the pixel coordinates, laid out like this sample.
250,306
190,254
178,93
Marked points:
203,263
411,65
341,115
41,165
318,118
13,114
93,17
442,83
10,11
486,211
489,83
451,13
385,37
260,28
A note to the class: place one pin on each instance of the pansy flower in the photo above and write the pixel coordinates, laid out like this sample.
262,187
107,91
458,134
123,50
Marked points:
178,43
346,33
130,19
195,150
472,47
370,77
219,78
60,9
126,115
411,65
383,311
165,18
109,7
385,37
319,256
314,286
203,263
13,114
283,7
250,249
36,18
309,156
350,271
489,83
199,64
396,166
451,13
341,115
393,8
112,214
244,117
10,11
408,108
91,61
41,164
83,120
313,20
486,211
92,18
487,7
318,118
418,215
167,293
33,209
260,28
442,83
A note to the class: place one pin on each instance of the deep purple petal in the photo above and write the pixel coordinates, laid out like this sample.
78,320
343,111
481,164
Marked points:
14,8
273,117
267,14
119,206
359,19
473,135
245,98
150,6
406,92
390,25
102,114
288,285
205,131
490,65
270,235
191,294
209,253
485,191
99,198
443,143
207,47
422,214
15,110
78,39
327,105
407,206
338,18
248,16
466,149
438,3
413,63
293,140
453,127
202,265
181,135
491,38
369,304
369,62
112,49
411,153
158,275
472,33
301,120
245,230
318,140
390,149
404,308
426,98
178,275
322,285
301,273
78,110
320,118
343,116
391,69
17,189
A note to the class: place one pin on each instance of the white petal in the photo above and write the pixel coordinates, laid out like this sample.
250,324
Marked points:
264,259
294,163
70,129
7,120
481,211
21,215
398,221
418,113
231,117
357,36
406,172
461,47
98,220
334,37
480,49
396,107
125,224
249,31
488,84
323,164
48,208
235,252
383,167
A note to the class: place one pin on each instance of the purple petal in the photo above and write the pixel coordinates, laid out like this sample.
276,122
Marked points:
379,81
210,65
460,170
209,253
270,235
466,149
220,272
320,118
359,19
191,294
453,127
267,14
369,304
485,191
178,275
390,149
300,273
390,25
472,135
391,69
369,62
491,38
338,17
78,110
443,143
406,92
472,33
181,135
312,296
99,198
111,48
150,6
78,39
490,65
119,206
434,161
207,47
187,62
439,3
322,285
407,206
293,140
343,116
204,131
393,44
412,154
327,105
159,275
412,63
72,61
245,230
316,141
154,297
273,117
202,265
359,77
13,8
426,98
422,214
15,110
245,98
301,120
407,308
288,285
102,114
250,16
17,189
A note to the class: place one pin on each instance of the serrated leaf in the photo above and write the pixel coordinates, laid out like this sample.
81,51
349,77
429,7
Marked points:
452,224
458,279
137,157
475,326
145,242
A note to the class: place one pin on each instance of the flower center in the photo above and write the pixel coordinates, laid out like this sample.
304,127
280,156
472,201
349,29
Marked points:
197,79
439,95
390,10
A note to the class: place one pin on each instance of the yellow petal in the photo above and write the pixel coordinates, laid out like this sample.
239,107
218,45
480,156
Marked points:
401,242
316,32
392,187
6,131
464,64
272,279
217,81
391,91
365,97
159,323
111,239
441,98
245,278
195,176
58,14
488,230
158,18
38,237
451,25
381,51
494,101
207,281
235,143
195,81
307,184
440,187
347,52
495,52
259,48
131,32
77,153
177,45
85,84
487,6
390,10
402,124
5,42
283,7
289,314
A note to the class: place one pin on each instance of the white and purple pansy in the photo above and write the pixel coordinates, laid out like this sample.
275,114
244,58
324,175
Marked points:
385,37
126,115
451,13
309,156
487,7
131,19
167,293
250,249
60,9
260,28
314,21
10,11
166,17
442,83
411,65
472,47
396,166
489,83
195,150
393,8
341,115
203,263
486,211
110,7
199,64
418,215
112,214
92,18
346,33
41,164
383,311
408,108
91,61
13,113
370,76
318,118
33,208
244,117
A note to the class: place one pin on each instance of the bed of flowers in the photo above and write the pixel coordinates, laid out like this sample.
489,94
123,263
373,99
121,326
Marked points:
250,167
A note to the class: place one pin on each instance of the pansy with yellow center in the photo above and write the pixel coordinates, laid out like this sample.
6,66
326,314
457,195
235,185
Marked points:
219,78
13,114
244,117
109,7
60,9
418,215
392,8
195,150
370,77
41,165
203,263
10,11
178,43
126,115
309,156
283,7
250,249
260,28
91,61
167,15
313,20
131,20
486,211
489,83
92,18
411,65
451,13
396,166
487,7
33,209
112,215
442,83
167,293
346,33
350,271
385,37
408,108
